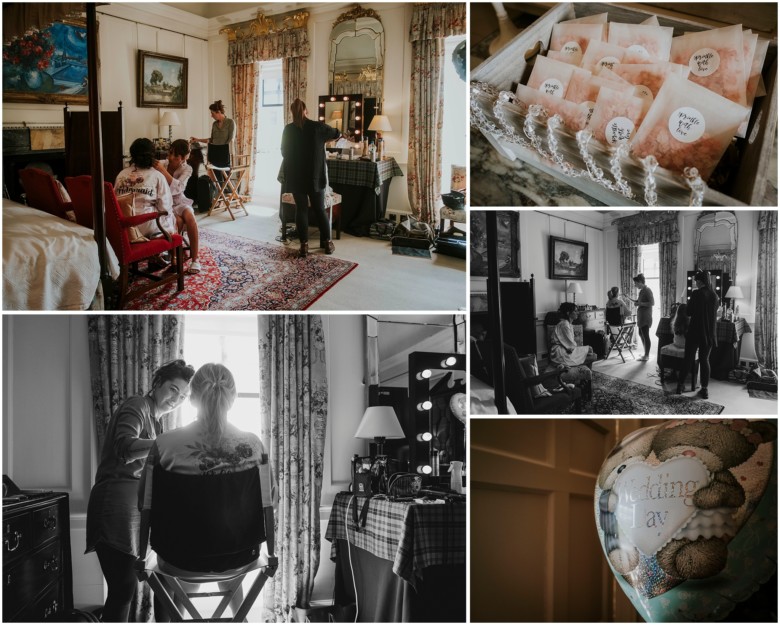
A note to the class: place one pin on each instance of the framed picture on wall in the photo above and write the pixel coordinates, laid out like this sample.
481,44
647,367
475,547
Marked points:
507,248
568,259
48,65
162,80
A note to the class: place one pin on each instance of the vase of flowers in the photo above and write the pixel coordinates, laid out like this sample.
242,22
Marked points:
30,55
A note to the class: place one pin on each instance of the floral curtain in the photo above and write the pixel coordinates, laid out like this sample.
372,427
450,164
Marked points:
667,258
244,80
647,228
279,45
124,352
766,290
431,23
294,410
629,267
294,76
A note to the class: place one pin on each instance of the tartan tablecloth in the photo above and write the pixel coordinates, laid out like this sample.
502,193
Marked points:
362,173
412,536
727,331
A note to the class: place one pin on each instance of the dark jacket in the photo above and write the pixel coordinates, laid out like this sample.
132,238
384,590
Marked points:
702,309
303,151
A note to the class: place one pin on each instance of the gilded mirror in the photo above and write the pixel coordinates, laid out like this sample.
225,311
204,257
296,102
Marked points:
357,54
715,242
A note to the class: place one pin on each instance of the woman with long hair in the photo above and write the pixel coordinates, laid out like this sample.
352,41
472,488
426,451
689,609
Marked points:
305,176
644,314
113,519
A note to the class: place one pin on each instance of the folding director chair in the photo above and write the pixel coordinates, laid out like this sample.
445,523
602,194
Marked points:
621,334
209,528
230,177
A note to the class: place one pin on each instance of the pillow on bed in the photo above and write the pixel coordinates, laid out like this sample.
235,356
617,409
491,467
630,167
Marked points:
127,209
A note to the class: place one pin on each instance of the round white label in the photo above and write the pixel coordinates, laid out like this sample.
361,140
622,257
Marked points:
553,87
643,92
588,106
686,124
619,129
571,47
704,62
640,50
609,62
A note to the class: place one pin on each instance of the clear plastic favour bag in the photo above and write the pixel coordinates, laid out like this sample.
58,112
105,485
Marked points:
573,38
557,55
643,39
552,77
648,78
601,54
616,116
687,126
574,116
716,60
584,90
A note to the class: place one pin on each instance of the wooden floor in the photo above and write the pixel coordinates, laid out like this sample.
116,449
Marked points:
732,395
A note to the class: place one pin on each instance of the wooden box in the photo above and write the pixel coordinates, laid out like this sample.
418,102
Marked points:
508,67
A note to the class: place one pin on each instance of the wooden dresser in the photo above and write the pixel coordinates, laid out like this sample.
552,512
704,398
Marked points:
37,573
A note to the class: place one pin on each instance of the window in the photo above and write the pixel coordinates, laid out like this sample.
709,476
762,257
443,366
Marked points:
454,131
272,93
230,340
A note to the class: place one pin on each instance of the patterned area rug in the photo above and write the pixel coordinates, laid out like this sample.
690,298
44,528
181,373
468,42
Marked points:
615,396
244,274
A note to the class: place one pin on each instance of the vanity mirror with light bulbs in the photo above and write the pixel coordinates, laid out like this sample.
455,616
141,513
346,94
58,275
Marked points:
416,363
344,112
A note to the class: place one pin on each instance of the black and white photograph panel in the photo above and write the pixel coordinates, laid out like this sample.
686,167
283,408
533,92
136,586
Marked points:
605,104
278,156
623,312
260,468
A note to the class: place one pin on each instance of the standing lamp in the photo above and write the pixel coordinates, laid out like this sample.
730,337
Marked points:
574,288
170,119
379,423
380,124
733,293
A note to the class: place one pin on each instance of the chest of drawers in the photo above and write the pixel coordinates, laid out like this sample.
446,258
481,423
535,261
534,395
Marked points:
593,319
37,575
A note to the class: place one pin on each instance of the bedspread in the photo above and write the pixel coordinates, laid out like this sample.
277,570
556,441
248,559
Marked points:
48,263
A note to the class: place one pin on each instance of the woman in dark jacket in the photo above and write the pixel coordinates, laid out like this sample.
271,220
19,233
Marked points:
702,330
303,151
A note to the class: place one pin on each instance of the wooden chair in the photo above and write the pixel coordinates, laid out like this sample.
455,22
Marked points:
228,184
130,254
673,357
42,192
80,190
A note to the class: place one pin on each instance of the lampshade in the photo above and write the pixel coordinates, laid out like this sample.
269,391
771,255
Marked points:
734,293
574,287
337,115
170,118
379,422
380,123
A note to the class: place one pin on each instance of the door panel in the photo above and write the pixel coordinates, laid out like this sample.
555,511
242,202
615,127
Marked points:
535,553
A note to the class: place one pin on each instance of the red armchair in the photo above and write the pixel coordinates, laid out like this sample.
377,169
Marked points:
130,254
80,190
42,192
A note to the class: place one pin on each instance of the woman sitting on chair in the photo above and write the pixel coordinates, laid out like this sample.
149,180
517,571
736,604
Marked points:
616,300
680,325
208,446
565,353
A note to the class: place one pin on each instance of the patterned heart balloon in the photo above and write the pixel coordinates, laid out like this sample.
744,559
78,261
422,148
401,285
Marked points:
687,515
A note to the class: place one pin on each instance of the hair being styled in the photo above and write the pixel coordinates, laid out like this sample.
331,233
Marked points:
217,107
298,110
180,147
681,321
613,292
142,153
171,371
213,391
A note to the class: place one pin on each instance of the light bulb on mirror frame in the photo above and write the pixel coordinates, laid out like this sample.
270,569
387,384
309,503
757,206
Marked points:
449,362
425,469
425,405
424,374
425,437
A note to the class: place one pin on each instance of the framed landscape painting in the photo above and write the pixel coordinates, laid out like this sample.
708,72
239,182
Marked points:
162,80
568,259
48,65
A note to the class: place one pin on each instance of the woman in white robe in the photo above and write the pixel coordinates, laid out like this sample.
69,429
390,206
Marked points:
565,350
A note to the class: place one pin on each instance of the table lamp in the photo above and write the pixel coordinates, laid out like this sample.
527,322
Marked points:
170,119
733,293
574,288
380,124
379,423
